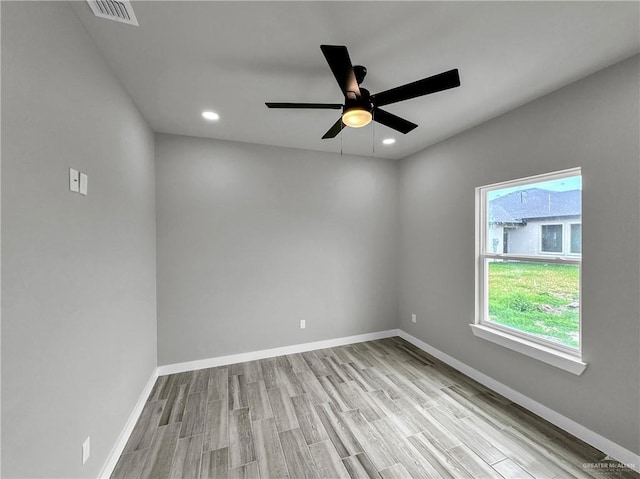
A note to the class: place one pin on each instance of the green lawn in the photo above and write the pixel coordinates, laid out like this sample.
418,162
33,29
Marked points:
537,298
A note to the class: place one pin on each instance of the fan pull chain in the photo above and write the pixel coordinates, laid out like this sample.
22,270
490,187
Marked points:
341,136
373,147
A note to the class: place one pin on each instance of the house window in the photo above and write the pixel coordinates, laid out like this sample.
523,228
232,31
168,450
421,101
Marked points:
529,257
551,239
576,238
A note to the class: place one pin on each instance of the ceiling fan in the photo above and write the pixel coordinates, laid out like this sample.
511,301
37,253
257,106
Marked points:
360,107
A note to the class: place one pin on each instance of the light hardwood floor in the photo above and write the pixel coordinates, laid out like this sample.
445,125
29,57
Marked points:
381,409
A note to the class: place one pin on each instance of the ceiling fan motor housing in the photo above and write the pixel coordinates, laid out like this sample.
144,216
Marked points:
362,103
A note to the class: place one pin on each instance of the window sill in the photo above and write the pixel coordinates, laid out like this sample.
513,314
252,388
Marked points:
529,348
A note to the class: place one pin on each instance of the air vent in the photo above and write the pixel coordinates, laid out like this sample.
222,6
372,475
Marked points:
118,10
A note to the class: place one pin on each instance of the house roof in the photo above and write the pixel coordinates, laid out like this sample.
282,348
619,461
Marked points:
534,203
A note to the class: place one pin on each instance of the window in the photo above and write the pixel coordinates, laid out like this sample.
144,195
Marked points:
576,238
551,239
529,237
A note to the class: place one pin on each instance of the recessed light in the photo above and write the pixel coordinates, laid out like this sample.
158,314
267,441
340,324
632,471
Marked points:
210,115
388,141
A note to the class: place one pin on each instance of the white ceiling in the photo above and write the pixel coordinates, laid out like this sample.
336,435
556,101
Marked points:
231,57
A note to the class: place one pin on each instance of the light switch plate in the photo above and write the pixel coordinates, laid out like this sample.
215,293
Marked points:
86,450
74,180
84,179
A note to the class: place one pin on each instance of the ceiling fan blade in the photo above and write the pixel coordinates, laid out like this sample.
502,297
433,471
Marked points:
313,106
433,84
393,121
334,130
338,59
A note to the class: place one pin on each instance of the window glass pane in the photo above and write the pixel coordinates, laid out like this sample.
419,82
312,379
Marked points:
515,217
576,238
552,238
536,298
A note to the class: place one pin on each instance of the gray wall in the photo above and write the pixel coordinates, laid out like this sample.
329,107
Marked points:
78,296
252,239
593,124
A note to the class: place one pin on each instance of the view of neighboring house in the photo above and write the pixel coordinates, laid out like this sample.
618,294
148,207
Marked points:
536,221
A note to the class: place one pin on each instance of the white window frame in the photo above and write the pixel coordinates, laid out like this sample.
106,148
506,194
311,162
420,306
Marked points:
550,352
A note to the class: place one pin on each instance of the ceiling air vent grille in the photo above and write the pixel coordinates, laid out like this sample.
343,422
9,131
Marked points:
118,10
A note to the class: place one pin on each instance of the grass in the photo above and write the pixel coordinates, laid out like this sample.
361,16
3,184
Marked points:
537,298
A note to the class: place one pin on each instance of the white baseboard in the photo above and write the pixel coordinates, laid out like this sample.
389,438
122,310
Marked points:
121,442
273,352
607,446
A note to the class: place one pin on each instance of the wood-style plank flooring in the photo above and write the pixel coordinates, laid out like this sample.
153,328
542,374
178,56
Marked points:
381,409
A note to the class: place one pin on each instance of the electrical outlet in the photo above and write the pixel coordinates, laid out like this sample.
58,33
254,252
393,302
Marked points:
86,450
303,324
414,319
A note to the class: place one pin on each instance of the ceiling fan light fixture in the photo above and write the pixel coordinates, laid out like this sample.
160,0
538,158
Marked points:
357,117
